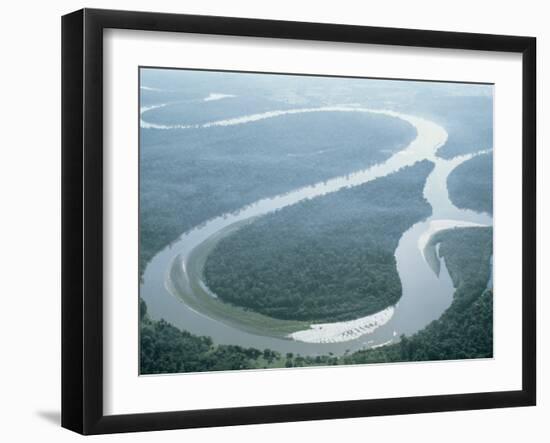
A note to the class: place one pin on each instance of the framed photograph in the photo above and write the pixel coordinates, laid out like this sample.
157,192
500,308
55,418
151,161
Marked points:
269,221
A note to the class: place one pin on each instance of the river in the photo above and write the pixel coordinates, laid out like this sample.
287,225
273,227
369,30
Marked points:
173,291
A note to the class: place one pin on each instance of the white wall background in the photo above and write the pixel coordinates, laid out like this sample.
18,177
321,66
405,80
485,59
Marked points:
30,219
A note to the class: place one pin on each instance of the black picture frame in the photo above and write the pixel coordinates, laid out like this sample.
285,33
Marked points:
82,219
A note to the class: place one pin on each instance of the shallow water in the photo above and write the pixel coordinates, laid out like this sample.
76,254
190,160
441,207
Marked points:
425,295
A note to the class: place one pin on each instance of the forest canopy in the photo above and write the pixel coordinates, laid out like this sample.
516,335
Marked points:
471,184
326,259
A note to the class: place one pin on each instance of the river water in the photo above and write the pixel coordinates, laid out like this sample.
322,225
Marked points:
425,295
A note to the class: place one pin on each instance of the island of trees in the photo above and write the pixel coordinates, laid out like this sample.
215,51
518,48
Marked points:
326,259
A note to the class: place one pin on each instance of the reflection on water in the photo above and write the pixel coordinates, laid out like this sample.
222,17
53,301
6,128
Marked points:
425,295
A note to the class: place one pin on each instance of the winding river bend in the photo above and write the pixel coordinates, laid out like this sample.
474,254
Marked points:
173,289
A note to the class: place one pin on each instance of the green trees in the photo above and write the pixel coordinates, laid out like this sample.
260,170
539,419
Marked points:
471,184
165,349
326,259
